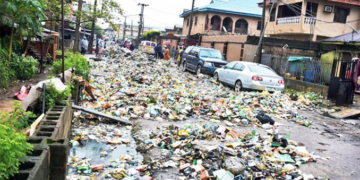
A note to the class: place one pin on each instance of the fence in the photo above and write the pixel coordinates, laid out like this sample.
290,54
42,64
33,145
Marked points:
308,70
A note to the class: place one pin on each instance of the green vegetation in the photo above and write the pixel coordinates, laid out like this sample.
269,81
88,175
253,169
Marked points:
13,145
98,31
26,14
72,60
53,96
24,67
21,67
148,35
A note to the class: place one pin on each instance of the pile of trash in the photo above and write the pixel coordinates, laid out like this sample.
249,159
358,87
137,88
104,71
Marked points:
137,87
205,151
134,87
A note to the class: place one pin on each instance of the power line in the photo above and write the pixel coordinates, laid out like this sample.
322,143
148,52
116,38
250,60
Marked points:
155,20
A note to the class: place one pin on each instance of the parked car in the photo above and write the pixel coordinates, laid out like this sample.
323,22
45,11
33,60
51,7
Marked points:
248,75
147,47
202,60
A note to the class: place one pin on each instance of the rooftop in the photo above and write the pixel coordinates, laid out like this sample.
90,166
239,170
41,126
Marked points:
237,7
352,2
345,38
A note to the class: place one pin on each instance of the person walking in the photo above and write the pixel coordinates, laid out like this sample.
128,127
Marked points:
84,45
173,52
167,54
179,57
100,47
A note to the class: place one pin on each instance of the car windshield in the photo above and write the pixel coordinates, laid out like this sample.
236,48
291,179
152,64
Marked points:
207,53
261,70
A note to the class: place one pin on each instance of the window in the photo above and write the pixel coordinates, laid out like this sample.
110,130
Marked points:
311,9
193,50
196,21
230,65
211,53
259,25
341,14
153,44
188,22
147,43
239,67
272,15
289,10
261,69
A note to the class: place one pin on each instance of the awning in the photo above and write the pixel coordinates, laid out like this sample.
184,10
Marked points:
295,58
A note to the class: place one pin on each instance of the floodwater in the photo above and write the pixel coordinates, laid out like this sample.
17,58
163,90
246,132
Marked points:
91,150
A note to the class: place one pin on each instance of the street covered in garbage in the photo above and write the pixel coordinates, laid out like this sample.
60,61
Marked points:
191,127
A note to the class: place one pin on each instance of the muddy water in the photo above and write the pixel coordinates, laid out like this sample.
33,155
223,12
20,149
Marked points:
90,150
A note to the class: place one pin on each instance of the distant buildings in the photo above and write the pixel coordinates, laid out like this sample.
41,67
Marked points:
232,16
129,32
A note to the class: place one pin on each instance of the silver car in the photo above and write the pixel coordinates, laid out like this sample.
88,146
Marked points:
248,75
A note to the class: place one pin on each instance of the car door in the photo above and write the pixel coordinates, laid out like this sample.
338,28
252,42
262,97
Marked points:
236,73
190,59
186,55
223,76
195,59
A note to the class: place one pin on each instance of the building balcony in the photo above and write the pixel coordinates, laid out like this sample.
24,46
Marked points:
296,20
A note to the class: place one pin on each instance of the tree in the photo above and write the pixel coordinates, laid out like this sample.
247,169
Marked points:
109,10
27,14
98,30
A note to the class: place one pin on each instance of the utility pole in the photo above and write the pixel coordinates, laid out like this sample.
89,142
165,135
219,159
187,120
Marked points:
62,41
92,29
124,33
141,22
77,33
262,34
119,31
191,18
262,29
132,28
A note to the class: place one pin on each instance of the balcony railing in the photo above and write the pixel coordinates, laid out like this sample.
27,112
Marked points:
296,20
309,20
289,20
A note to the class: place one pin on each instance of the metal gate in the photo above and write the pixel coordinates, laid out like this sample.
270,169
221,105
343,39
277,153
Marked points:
341,88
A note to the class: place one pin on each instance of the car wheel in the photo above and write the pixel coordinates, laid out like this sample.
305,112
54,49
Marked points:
184,66
198,70
238,86
216,77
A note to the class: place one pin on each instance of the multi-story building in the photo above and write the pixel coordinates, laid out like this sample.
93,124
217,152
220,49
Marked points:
312,20
232,16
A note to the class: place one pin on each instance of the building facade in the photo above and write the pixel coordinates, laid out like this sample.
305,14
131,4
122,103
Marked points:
312,20
221,16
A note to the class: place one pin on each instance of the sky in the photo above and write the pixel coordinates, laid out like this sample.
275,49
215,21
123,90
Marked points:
159,14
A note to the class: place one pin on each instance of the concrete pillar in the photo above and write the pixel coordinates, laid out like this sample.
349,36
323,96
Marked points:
221,24
233,28
209,24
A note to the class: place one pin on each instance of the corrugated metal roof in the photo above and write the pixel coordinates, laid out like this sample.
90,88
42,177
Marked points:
237,7
349,37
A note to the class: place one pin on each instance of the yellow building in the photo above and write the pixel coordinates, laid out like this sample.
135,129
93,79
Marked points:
312,20
231,16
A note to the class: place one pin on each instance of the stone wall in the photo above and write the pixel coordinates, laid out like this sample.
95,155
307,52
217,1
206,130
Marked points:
306,86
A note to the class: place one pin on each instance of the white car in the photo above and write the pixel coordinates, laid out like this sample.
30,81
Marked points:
248,75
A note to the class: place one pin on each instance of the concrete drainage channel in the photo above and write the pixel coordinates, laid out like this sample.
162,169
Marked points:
51,147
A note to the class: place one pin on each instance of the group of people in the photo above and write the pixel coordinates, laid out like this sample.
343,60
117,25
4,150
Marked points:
84,44
166,54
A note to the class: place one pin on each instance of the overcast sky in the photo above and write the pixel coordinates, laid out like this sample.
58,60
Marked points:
159,13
